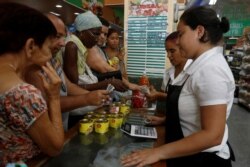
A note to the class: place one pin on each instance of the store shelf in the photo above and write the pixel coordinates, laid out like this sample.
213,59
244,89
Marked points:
244,79
234,60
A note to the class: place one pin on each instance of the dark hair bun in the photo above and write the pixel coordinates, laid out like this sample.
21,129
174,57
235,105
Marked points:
224,24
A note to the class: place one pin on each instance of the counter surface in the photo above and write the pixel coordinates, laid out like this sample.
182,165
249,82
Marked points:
98,150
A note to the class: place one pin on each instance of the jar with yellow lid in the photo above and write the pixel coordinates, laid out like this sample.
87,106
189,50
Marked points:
101,125
86,126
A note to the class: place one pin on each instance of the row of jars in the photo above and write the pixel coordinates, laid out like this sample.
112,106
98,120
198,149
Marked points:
100,122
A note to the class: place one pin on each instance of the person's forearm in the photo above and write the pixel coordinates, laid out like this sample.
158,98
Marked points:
54,113
130,85
103,68
94,56
186,146
95,86
69,103
161,96
212,120
74,89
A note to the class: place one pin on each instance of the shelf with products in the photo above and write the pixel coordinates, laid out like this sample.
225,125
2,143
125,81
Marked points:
234,59
244,78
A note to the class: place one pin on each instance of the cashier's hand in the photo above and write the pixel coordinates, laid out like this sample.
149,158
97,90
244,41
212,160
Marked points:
140,158
154,120
97,97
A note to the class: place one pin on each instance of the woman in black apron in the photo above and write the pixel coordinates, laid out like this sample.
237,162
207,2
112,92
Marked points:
208,88
179,63
174,133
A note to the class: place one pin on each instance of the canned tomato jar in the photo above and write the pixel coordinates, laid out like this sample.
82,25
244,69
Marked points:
115,120
101,125
90,113
102,112
101,116
90,116
86,126
124,109
113,108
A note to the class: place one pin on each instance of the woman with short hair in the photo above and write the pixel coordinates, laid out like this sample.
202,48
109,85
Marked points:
28,125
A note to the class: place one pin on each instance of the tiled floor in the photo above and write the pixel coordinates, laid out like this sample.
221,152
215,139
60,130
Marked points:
239,135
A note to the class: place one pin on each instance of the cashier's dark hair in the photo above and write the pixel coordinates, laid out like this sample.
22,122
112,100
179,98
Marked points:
18,23
206,17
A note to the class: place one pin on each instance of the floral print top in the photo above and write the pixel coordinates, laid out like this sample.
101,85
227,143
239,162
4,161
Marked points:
20,107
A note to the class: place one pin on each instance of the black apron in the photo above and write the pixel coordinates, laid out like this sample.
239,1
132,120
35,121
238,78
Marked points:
174,133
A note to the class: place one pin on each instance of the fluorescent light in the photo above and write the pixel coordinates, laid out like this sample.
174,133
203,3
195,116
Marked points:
76,13
212,2
59,6
54,13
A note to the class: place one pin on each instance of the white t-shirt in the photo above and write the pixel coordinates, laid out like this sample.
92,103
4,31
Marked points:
169,73
210,82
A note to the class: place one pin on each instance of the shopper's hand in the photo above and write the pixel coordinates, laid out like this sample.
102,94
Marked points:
115,66
51,81
153,95
97,97
140,158
118,84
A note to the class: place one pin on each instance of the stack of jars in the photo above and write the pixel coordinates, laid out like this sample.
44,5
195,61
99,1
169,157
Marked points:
101,121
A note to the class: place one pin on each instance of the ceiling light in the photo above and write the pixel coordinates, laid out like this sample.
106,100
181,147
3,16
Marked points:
212,2
59,6
54,13
76,13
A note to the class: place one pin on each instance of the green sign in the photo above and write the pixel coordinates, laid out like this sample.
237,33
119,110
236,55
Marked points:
238,15
236,27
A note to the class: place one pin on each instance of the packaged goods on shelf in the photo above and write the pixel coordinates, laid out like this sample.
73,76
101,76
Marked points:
244,78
